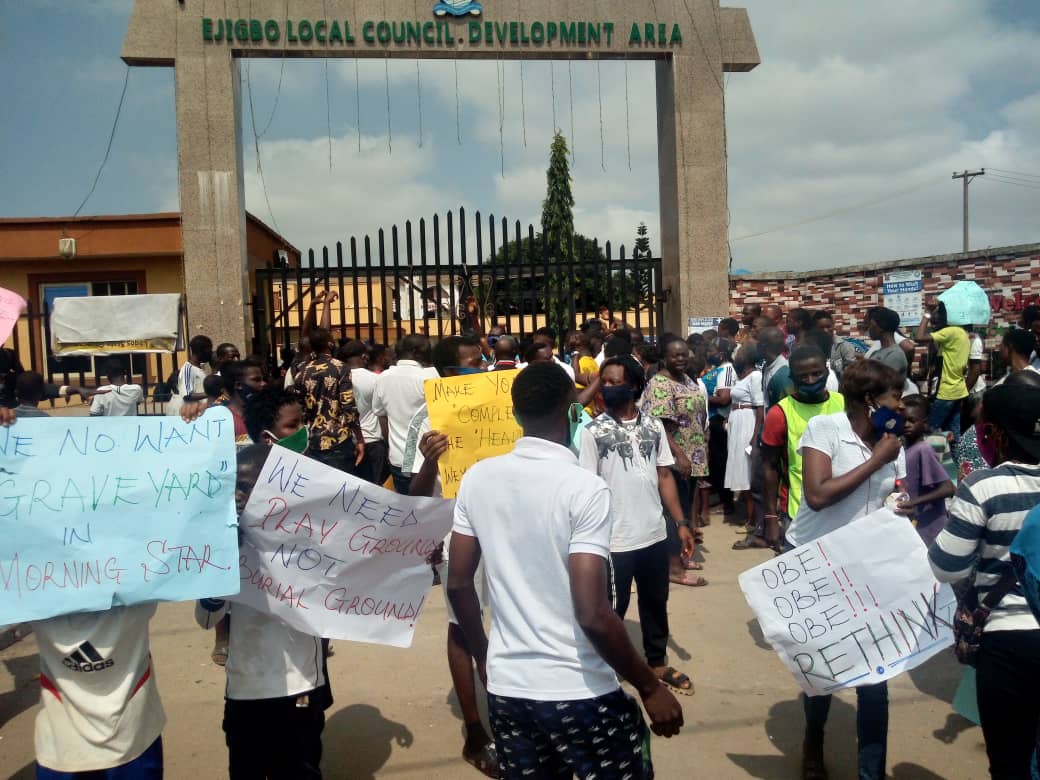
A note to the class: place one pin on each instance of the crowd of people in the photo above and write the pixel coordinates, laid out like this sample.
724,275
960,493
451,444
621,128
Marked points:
785,428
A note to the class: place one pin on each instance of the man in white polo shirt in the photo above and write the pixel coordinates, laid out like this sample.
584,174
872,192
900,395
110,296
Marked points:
399,395
542,524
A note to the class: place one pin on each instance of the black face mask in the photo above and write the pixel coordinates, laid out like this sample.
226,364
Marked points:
815,393
617,396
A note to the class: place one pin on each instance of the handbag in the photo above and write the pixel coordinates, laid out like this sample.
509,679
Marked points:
969,621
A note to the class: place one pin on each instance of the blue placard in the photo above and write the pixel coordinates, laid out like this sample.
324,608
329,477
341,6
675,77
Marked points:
96,512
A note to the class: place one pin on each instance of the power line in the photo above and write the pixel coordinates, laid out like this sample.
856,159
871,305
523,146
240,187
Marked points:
1016,173
843,210
1016,179
999,180
256,147
108,146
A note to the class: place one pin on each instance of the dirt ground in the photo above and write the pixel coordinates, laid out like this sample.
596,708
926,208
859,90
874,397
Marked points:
395,715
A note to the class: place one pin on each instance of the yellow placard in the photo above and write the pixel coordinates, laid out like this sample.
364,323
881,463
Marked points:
475,412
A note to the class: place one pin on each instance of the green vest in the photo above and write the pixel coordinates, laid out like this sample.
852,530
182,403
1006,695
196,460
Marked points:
798,416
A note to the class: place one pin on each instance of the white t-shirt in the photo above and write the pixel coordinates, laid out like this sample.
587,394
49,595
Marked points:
398,396
876,345
976,351
101,706
748,390
113,401
266,658
364,383
568,369
530,510
832,434
627,455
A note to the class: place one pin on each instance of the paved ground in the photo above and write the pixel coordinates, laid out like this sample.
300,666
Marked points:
395,716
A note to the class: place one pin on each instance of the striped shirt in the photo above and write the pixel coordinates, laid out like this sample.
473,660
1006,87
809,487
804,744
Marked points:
986,514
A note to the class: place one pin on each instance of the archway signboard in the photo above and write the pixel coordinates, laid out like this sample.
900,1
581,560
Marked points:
693,43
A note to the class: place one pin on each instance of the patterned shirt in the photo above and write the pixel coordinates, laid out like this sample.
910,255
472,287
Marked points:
328,401
685,404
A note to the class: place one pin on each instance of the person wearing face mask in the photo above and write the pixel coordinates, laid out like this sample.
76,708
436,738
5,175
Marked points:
782,431
850,463
242,380
630,451
986,518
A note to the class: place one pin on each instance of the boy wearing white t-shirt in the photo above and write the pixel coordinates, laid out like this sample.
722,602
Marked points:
542,525
275,676
100,710
118,398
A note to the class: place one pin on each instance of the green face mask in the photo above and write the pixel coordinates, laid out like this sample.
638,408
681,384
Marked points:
297,442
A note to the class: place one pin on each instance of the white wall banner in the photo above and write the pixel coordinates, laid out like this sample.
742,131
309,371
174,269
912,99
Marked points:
903,295
335,556
858,606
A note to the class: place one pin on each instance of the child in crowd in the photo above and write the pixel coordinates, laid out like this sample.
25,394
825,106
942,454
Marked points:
275,675
273,415
118,398
101,715
213,385
927,482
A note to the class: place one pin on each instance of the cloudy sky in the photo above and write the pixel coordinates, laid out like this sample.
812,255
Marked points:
841,144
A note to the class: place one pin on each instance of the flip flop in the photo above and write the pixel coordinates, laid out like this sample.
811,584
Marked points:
484,760
677,681
748,544
696,582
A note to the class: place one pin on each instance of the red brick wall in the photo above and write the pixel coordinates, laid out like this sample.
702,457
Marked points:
1011,277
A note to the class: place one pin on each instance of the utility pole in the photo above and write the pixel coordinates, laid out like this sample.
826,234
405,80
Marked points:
967,176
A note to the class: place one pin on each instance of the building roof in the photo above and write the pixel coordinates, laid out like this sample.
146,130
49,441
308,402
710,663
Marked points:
161,216
996,253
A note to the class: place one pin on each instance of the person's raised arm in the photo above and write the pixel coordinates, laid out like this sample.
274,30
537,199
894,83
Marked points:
588,393
603,627
331,297
432,445
310,319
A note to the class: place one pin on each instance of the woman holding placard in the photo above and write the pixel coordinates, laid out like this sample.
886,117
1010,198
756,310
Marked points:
850,463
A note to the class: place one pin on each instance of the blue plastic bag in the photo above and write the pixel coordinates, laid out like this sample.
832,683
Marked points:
966,304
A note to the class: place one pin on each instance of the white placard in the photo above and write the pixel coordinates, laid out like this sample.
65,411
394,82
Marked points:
701,324
335,556
858,606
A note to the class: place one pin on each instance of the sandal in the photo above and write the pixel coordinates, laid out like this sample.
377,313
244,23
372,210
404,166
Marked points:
677,681
696,582
751,543
220,654
484,760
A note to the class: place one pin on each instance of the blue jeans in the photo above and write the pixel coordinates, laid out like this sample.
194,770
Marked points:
147,766
871,726
946,416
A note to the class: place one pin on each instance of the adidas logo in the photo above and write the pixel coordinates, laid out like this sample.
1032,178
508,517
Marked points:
86,659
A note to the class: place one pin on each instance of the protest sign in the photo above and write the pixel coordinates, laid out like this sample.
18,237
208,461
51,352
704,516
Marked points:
903,295
855,607
475,412
335,556
116,510
11,307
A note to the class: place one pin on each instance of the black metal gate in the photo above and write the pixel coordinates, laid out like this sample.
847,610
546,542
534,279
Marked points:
455,275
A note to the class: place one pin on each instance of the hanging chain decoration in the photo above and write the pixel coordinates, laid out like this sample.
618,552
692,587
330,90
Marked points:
328,102
418,94
458,108
357,102
570,89
500,77
389,126
602,145
552,84
523,106
628,130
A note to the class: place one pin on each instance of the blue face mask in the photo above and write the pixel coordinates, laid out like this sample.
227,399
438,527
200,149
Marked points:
887,421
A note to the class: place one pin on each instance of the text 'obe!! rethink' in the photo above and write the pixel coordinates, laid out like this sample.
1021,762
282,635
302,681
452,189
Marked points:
839,616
